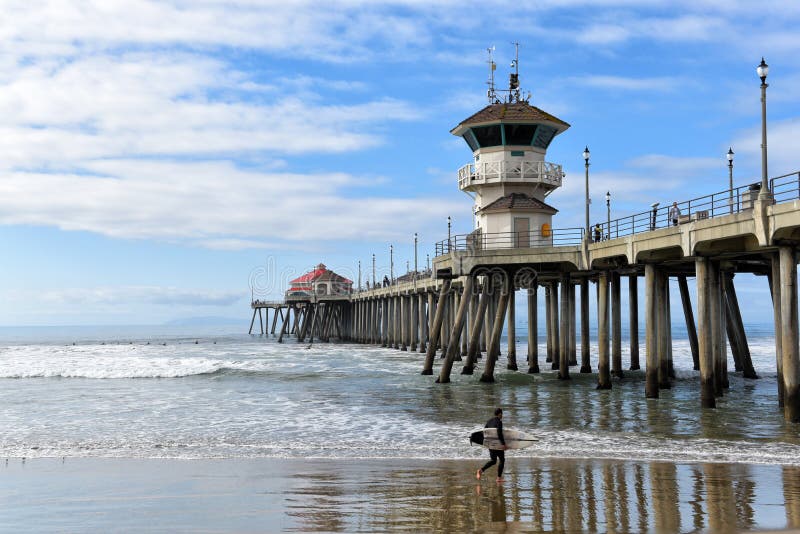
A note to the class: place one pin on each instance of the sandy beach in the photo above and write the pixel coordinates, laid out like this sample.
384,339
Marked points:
274,495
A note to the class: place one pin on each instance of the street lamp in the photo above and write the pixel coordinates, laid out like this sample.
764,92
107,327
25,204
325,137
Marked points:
608,212
373,270
586,159
415,256
391,263
730,177
359,275
448,233
763,70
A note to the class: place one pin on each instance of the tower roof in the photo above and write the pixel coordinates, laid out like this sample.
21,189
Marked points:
519,201
519,112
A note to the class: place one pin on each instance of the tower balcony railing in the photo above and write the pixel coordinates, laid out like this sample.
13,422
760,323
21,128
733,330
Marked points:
490,172
477,241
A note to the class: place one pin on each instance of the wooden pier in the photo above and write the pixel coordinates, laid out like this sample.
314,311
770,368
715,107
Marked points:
461,310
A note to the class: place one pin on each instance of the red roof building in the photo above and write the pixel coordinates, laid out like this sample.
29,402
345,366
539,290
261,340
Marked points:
320,281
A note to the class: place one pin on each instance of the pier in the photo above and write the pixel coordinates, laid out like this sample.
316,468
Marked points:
458,311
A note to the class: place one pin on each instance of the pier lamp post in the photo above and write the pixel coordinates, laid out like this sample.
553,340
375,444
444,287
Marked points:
391,263
448,233
415,256
586,159
429,261
763,70
373,270
608,212
730,177
359,276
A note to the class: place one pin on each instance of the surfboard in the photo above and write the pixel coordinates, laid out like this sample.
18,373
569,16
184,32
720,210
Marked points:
515,439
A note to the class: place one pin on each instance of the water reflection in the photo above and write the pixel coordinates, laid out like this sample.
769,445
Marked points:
545,495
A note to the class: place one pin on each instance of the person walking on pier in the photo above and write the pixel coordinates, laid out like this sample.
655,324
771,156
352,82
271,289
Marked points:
495,455
674,213
598,233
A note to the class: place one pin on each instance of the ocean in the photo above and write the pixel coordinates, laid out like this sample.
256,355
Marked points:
211,392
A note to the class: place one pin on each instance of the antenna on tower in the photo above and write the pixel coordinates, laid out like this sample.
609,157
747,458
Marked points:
490,94
513,82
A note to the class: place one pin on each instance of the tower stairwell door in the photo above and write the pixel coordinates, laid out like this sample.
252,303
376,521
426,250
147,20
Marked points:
522,232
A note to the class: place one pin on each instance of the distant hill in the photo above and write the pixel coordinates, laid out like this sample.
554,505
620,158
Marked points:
205,320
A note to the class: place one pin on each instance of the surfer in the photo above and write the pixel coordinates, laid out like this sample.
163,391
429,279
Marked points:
495,455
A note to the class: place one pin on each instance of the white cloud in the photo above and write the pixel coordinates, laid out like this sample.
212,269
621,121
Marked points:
213,204
131,295
627,84
782,144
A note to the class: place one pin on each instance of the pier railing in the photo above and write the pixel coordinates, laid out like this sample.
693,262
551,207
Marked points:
740,199
476,242
488,172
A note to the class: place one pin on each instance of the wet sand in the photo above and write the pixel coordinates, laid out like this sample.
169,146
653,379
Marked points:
273,495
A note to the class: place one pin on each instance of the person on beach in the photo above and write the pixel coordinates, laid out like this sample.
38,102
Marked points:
495,455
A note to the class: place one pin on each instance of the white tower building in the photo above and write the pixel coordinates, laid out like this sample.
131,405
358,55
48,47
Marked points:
509,176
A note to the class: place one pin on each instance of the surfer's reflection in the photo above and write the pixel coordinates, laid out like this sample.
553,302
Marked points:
495,497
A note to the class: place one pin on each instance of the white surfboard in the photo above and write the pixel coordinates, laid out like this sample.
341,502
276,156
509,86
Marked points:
515,439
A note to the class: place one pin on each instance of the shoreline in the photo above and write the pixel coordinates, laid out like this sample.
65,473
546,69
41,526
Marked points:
268,494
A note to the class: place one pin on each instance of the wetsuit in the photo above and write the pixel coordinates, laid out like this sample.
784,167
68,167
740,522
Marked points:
496,422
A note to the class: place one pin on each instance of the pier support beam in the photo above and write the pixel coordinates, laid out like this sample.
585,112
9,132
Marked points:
616,326
533,329
633,320
285,326
604,374
688,316
473,349
548,323
651,331
705,343
493,350
403,322
554,321
414,333
455,305
789,334
662,280
563,353
454,346
435,330
512,331
253,320
774,278
446,305
422,322
586,364
385,321
275,318
734,319
573,353
719,349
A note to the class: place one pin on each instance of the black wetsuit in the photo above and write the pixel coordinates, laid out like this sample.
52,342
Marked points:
496,422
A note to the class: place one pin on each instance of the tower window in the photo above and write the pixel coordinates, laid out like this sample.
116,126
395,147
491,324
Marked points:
519,134
488,135
544,134
471,141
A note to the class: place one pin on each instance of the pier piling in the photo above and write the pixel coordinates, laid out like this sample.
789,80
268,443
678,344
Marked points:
533,329
603,366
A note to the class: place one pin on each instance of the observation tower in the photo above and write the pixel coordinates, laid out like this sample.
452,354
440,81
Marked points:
509,178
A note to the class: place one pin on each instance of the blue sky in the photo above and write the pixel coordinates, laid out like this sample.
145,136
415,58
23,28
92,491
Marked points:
157,159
